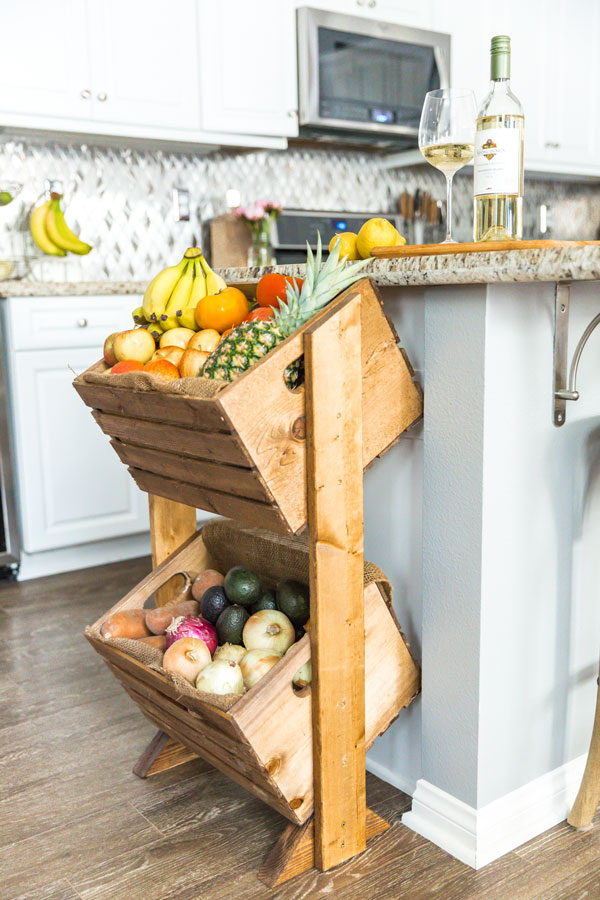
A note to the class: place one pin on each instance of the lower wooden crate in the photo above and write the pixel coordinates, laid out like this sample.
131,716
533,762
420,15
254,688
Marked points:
264,742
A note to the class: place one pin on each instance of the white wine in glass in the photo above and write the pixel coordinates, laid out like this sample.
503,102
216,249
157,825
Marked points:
446,137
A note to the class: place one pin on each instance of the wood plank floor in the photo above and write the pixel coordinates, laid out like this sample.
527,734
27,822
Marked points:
76,823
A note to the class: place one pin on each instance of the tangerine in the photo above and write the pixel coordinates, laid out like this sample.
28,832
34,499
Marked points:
221,311
272,288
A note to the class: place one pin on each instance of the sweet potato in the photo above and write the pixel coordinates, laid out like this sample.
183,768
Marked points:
155,640
158,619
129,623
206,579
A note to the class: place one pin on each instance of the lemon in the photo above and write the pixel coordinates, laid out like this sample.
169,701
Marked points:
377,233
347,244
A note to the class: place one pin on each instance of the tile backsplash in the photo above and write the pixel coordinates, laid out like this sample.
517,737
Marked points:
120,200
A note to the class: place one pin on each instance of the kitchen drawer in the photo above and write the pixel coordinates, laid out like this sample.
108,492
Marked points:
43,323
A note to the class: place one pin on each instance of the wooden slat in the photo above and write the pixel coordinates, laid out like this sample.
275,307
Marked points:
241,508
189,412
335,519
215,476
161,754
407,250
275,434
198,444
171,525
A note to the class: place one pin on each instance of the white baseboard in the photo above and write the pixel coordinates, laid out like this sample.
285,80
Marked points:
402,782
82,556
479,836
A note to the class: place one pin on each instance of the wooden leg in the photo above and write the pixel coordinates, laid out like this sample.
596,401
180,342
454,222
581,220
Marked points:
335,517
171,524
294,852
162,753
588,798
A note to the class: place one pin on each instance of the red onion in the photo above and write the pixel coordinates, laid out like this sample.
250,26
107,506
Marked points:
191,626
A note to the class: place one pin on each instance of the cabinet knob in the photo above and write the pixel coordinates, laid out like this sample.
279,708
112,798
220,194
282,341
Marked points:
372,3
360,2
85,94
292,113
552,145
102,96
82,323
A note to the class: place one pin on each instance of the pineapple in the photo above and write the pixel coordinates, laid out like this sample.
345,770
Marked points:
250,341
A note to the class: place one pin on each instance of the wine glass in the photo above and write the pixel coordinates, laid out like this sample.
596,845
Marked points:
447,136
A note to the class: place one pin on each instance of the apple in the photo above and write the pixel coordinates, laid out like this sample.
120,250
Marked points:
163,369
109,353
136,343
126,365
173,354
191,362
176,337
207,339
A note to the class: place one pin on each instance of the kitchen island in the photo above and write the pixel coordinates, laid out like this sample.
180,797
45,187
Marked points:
486,518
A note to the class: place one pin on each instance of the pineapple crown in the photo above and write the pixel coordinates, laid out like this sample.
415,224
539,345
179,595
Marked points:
320,286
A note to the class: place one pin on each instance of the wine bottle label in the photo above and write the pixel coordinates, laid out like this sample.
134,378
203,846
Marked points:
497,161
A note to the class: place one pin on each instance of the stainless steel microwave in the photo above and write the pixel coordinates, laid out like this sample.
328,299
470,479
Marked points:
365,80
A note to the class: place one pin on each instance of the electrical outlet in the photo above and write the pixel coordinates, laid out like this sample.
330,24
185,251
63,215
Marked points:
181,204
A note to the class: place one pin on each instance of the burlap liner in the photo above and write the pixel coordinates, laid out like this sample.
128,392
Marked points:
204,388
273,556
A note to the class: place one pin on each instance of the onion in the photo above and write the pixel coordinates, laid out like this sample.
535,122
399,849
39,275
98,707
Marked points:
192,626
222,676
256,664
268,629
231,652
303,676
187,657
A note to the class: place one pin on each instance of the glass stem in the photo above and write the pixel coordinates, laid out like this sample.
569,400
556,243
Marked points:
449,178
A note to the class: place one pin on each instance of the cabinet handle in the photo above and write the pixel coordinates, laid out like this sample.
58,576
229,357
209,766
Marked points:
552,145
82,323
85,95
102,96
292,113
372,3
360,2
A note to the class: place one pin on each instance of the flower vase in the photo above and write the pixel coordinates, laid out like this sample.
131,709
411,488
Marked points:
260,252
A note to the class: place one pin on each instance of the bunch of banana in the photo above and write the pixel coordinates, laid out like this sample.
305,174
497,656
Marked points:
171,297
50,231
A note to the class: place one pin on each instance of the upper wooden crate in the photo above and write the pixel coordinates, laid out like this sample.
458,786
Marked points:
242,453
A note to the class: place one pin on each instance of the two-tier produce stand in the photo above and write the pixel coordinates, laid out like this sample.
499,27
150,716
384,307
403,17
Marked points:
277,460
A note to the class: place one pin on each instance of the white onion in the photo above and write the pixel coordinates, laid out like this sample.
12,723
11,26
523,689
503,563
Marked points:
230,651
222,676
187,657
256,664
303,676
268,629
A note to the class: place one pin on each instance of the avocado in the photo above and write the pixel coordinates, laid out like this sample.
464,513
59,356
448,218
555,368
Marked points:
267,601
230,624
242,586
299,632
293,600
214,601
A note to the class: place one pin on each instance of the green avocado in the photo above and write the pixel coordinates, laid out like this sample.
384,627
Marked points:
293,600
267,601
230,624
242,586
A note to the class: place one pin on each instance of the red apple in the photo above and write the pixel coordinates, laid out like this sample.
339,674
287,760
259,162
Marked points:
192,362
136,343
163,369
173,354
109,354
126,365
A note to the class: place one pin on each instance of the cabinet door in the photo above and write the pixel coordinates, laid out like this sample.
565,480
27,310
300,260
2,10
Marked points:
145,63
248,66
72,486
415,13
44,59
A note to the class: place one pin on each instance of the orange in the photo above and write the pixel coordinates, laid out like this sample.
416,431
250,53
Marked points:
262,313
272,288
221,311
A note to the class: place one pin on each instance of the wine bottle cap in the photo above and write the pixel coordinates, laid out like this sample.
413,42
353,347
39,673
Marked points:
500,60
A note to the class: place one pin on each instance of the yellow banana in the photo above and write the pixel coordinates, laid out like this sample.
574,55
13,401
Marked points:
39,233
155,329
59,232
214,282
138,316
160,289
187,317
168,322
180,297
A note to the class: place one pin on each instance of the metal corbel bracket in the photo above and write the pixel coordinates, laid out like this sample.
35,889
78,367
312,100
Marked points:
566,389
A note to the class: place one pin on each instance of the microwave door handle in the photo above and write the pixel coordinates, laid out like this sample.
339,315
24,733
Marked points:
443,64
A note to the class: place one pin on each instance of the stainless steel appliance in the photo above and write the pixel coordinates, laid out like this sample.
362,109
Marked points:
9,541
365,80
294,227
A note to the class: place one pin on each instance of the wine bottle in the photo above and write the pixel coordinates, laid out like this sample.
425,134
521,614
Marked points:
498,159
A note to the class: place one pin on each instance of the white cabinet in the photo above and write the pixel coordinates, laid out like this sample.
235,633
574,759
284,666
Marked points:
414,13
72,487
248,66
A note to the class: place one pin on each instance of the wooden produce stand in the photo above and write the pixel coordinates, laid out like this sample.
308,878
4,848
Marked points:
304,467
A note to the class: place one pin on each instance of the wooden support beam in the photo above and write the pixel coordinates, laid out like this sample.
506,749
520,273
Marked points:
332,354
171,524
162,753
588,797
294,852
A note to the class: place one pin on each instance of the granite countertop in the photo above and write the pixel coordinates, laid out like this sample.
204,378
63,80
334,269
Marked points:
548,264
